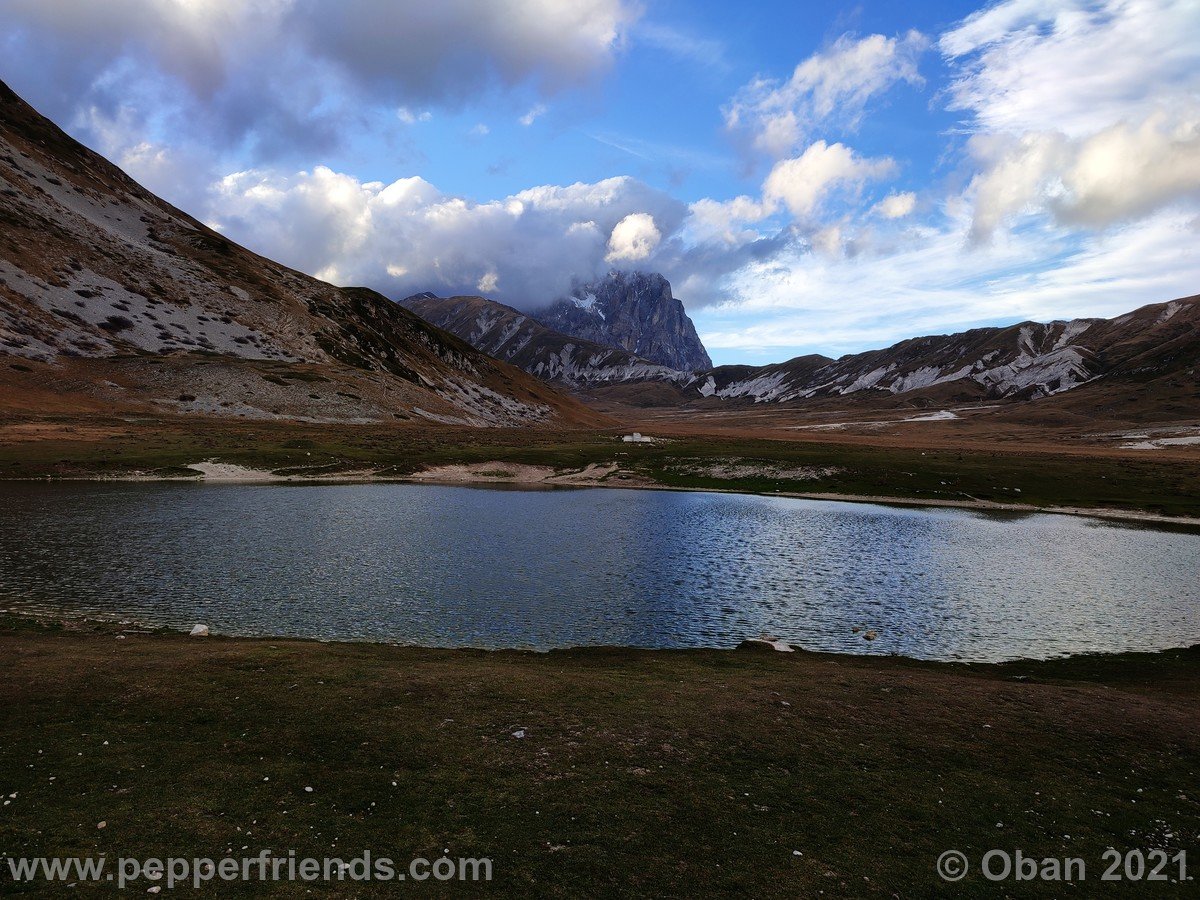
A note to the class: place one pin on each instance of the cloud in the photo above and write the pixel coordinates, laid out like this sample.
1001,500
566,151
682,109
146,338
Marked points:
1085,111
530,117
1082,165
451,49
296,74
802,183
633,239
1125,171
408,236
408,117
833,86
796,302
896,206
723,221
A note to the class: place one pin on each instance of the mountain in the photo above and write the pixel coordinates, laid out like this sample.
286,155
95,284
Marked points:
515,337
1019,362
111,298
1142,361
634,311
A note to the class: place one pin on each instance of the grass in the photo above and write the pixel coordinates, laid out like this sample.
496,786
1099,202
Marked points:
640,773
1135,482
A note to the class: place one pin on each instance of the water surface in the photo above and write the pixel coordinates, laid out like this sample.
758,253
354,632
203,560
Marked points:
461,566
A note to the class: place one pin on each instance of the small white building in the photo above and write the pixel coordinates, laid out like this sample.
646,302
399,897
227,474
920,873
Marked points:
637,438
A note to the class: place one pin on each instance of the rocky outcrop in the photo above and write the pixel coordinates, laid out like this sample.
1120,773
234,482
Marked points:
517,338
633,311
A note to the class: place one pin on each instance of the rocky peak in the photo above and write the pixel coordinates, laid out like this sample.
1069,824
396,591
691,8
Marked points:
633,311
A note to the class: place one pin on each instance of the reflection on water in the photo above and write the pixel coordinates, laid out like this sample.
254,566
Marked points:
455,566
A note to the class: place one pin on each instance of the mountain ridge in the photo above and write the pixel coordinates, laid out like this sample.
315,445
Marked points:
117,296
1024,361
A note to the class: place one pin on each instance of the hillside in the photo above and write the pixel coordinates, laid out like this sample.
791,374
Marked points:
1143,362
111,298
1021,362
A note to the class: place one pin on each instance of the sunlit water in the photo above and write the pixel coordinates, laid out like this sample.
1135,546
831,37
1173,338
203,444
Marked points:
457,566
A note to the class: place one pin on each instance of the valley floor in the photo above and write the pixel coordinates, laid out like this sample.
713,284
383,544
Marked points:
593,772
974,459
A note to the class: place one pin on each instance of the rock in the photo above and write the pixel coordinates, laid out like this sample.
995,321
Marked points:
199,630
101,824
633,311
870,635
519,733
765,644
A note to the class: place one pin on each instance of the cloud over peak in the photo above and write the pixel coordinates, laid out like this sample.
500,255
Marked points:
408,236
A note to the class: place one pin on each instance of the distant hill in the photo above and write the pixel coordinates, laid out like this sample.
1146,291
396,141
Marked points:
1021,362
111,298
1147,357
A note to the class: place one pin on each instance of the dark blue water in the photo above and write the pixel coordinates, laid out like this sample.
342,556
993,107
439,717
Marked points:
458,566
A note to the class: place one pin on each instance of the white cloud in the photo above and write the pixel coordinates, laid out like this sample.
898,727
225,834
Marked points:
408,117
480,130
1086,111
633,239
897,206
535,111
1122,172
801,303
1073,66
297,73
408,236
724,221
802,183
834,85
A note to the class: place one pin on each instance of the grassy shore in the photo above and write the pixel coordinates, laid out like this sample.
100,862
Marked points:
1034,478
636,772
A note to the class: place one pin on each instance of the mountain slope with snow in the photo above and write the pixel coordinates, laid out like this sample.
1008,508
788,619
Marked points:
1021,362
1159,343
112,296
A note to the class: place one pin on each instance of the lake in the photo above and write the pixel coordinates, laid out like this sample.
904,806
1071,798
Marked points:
463,566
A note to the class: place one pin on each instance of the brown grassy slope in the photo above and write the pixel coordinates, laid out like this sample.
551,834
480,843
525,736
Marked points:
96,268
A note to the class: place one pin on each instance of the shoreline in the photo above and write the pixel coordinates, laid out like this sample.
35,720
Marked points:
523,476
15,620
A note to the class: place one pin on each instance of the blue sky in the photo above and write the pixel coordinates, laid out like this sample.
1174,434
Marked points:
812,177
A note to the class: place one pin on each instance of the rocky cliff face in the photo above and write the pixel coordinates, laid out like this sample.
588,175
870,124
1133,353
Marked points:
634,311
515,337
